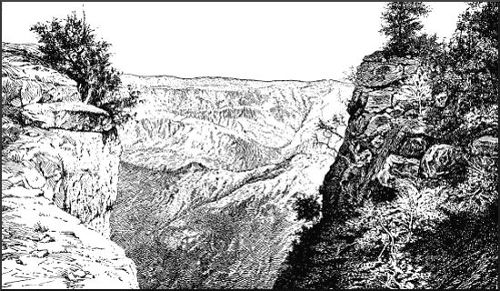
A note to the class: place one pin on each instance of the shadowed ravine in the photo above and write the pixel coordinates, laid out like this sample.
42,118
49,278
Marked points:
210,172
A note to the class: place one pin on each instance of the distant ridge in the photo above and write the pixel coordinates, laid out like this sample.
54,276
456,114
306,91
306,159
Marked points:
235,79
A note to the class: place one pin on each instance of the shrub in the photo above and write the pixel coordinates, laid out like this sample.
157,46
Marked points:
351,75
40,228
70,46
307,208
119,107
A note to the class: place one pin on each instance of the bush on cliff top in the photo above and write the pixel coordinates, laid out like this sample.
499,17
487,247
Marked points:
70,46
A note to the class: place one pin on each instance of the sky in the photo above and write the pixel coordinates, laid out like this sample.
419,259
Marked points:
248,40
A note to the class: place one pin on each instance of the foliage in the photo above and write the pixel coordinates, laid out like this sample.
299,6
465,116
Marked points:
389,227
465,71
40,228
307,208
350,75
70,46
461,252
120,107
473,57
401,25
478,189
418,88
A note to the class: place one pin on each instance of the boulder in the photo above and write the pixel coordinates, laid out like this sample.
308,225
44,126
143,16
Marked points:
377,141
34,179
379,100
396,168
439,160
75,116
413,147
372,74
414,127
378,125
377,56
485,145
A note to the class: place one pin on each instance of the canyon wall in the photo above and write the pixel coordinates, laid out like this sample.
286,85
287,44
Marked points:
211,170
60,163
403,206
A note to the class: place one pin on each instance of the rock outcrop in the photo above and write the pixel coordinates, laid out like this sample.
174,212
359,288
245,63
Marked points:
396,195
383,133
212,168
59,181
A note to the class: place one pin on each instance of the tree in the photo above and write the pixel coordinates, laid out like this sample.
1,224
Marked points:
467,74
350,75
326,131
401,23
70,46
307,208
474,56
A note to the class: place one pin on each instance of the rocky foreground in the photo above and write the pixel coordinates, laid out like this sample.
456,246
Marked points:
59,180
211,171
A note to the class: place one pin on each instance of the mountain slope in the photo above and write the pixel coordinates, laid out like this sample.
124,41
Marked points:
404,206
211,170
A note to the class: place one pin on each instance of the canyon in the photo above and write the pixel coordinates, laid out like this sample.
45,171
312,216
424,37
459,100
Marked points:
198,190
202,187
211,170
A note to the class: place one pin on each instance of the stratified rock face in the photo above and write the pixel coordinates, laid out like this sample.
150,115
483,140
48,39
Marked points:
401,209
224,123
382,132
78,171
212,168
59,180
74,116
26,79
486,145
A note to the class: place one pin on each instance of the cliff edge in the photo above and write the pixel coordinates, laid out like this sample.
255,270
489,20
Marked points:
59,181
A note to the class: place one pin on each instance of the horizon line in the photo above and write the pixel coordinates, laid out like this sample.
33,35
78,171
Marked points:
235,78
204,77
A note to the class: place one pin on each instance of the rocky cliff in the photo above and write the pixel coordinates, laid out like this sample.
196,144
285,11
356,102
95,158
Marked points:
403,207
211,171
59,181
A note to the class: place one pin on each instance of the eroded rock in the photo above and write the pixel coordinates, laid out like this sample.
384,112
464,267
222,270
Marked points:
439,160
413,147
59,178
74,116
26,80
485,145
397,168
